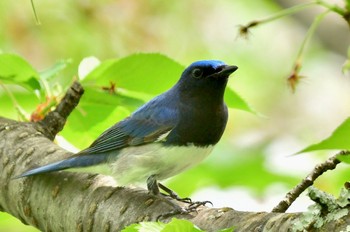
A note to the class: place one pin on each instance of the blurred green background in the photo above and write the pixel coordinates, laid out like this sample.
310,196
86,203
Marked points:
250,169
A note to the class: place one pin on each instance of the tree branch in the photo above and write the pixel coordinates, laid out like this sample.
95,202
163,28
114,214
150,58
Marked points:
319,169
66,201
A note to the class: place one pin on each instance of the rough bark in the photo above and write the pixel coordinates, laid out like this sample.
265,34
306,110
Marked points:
66,201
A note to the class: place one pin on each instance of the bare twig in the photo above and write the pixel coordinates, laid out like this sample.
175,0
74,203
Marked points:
295,77
244,29
321,168
55,120
35,14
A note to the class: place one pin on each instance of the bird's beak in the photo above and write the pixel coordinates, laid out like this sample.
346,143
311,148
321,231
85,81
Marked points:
225,71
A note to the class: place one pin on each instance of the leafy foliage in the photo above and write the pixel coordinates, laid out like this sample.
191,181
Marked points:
233,100
53,71
97,111
145,73
340,139
16,70
175,225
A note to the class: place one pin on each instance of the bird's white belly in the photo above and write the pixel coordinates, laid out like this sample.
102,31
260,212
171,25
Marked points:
136,164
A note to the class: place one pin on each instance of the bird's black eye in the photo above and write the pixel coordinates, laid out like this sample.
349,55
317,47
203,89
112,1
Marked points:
197,73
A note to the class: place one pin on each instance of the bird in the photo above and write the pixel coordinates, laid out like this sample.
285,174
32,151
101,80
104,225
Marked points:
171,133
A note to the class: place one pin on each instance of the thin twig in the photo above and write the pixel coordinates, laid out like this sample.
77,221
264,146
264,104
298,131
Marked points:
332,7
295,77
288,11
22,114
244,29
309,34
321,168
35,14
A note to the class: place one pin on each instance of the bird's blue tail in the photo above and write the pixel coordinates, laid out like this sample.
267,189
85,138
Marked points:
73,162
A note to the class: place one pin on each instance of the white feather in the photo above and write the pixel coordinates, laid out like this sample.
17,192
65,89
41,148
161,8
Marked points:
136,164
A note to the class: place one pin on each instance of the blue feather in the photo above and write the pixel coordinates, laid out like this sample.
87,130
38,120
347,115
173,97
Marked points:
76,161
207,63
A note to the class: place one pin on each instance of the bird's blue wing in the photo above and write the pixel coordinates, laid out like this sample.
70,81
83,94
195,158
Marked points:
148,124
145,127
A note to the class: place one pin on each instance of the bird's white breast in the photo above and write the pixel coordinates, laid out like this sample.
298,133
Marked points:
136,164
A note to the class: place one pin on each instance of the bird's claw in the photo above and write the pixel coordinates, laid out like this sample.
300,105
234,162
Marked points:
173,195
194,205
176,197
186,200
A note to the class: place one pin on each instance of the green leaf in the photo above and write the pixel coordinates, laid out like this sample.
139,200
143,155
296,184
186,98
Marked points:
15,70
180,225
55,69
175,225
231,229
25,99
97,111
340,139
344,157
145,73
233,100
145,227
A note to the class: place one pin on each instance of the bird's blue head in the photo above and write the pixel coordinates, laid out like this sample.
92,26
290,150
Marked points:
206,78
207,71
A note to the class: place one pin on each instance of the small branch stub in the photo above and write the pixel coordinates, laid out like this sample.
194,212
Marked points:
55,120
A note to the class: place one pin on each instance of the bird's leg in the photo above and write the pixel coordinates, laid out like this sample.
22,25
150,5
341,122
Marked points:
173,195
152,185
193,205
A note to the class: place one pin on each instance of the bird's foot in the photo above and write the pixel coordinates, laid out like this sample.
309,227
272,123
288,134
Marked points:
154,186
173,195
194,205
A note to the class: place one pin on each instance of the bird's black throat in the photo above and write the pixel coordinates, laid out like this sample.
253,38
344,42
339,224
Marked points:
203,116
